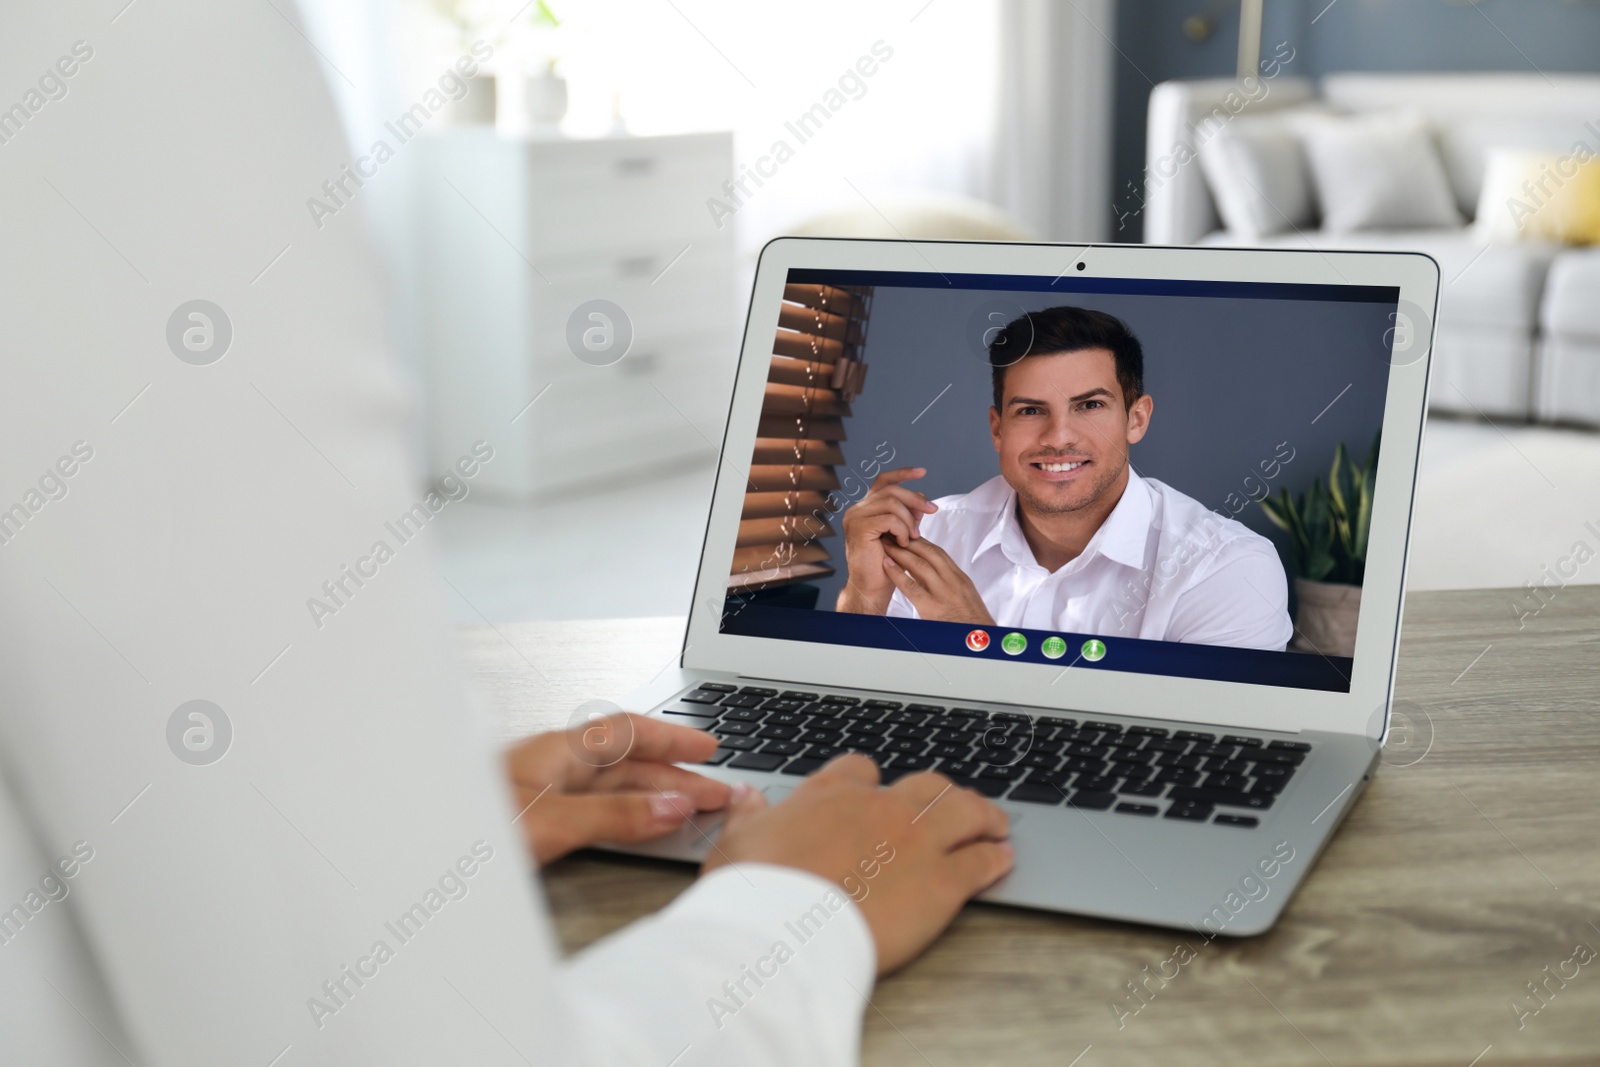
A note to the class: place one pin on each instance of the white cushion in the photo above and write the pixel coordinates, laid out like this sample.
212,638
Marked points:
1377,171
1468,144
1471,113
1178,208
1539,196
1258,175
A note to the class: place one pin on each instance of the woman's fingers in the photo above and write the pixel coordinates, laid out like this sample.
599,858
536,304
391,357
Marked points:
571,822
981,864
851,766
744,802
628,736
707,794
539,758
955,816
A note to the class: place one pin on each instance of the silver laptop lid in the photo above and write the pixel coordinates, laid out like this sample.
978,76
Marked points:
1111,438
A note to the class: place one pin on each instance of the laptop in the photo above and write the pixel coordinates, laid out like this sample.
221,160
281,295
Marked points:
1140,577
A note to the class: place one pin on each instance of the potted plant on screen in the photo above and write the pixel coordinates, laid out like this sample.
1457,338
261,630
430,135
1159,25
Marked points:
1328,528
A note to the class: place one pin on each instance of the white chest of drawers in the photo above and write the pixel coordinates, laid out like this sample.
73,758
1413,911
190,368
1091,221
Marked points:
515,235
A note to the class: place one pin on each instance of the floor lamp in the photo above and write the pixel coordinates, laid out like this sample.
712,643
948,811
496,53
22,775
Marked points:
1249,37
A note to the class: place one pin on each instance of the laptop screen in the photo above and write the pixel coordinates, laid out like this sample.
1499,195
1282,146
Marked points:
1159,477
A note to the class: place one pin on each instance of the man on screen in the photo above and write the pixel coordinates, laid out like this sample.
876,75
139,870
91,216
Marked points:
1067,537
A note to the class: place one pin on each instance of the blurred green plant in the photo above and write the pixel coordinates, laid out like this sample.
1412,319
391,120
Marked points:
470,16
542,16
1329,526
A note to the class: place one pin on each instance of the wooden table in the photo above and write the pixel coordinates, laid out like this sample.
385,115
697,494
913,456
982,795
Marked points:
1470,867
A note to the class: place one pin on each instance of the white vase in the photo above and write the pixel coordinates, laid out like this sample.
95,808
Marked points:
1325,620
544,97
474,109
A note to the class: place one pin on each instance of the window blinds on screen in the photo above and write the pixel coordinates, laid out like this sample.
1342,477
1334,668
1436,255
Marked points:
815,372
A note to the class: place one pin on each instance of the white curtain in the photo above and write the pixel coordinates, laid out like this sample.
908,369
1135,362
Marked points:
1053,154
921,120
1007,101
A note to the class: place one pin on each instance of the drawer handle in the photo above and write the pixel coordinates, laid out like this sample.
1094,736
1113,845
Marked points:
641,364
636,266
635,166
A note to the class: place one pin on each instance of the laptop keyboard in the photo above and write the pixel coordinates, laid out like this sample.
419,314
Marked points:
1094,765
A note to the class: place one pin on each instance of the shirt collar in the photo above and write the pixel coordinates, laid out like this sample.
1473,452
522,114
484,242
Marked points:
1121,538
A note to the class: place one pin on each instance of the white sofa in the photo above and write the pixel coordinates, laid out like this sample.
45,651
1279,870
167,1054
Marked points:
1518,334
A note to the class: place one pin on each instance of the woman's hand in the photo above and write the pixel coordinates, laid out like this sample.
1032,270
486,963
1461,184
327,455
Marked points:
909,855
609,780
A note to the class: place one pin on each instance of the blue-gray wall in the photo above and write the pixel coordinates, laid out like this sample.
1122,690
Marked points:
1232,380
1376,35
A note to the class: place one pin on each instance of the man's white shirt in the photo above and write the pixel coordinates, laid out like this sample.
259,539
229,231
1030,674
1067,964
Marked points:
1162,567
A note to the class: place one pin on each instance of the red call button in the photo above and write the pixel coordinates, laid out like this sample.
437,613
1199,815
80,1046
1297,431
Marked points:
978,640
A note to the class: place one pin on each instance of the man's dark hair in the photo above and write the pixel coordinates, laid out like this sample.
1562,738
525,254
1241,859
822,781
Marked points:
1068,329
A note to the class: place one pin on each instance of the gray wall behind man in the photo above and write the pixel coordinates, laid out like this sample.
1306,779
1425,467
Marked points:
1231,380
1397,35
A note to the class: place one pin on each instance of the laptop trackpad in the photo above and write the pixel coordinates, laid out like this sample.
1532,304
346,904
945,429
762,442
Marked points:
694,839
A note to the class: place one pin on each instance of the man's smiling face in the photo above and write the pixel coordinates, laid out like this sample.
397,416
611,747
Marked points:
1064,433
